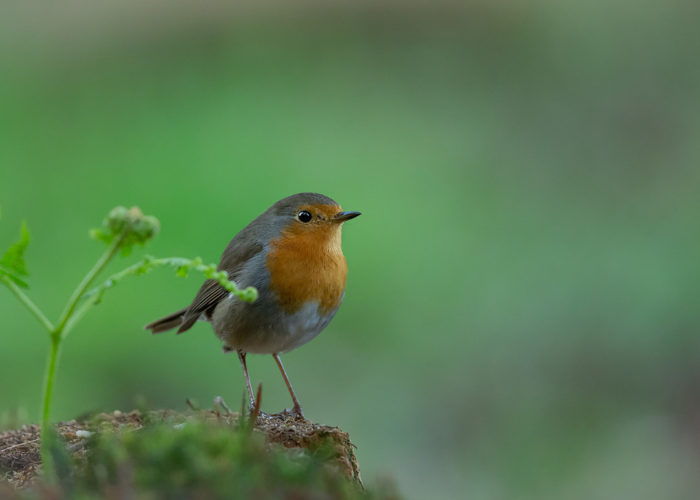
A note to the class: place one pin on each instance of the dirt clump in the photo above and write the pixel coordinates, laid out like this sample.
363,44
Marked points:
20,460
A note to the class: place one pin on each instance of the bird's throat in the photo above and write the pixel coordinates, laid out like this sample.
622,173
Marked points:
307,265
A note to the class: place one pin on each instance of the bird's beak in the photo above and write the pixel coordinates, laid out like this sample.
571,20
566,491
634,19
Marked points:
343,216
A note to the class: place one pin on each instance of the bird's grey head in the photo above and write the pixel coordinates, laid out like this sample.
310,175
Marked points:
306,209
290,205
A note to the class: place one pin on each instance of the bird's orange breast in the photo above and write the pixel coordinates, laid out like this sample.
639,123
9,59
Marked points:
307,264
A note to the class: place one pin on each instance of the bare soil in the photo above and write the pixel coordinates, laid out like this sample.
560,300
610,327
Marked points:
20,460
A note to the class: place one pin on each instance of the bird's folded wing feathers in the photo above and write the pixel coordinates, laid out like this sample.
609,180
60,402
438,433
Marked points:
237,253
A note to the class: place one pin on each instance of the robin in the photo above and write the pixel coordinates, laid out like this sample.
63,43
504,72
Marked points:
291,254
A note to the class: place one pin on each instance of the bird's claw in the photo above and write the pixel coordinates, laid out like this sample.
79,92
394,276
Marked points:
294,413
260,413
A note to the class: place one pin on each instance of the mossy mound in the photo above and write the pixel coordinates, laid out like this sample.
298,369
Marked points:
196,454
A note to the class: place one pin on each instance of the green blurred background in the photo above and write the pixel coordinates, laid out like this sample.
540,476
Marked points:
521,318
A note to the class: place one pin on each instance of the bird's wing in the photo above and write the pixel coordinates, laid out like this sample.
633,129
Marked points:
239,251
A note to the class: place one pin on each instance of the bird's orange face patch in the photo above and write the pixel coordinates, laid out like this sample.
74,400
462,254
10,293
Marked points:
306,262
322,214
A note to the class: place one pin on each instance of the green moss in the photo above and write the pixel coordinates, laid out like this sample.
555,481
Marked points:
204,460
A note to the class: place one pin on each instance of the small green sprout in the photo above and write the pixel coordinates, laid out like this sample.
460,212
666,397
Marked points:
121,230
130,225
12,264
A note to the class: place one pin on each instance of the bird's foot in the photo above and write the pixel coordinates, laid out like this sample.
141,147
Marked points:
252,411
294,413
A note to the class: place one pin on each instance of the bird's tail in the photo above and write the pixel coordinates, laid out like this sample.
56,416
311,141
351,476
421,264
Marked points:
167,323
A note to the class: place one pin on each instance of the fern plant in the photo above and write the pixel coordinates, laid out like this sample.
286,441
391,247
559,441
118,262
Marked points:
121,230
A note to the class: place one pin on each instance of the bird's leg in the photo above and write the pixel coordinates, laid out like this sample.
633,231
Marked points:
251,399
296,411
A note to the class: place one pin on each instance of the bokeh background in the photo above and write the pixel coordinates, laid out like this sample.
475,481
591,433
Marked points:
521,318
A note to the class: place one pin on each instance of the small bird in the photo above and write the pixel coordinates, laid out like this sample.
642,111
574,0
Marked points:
291,253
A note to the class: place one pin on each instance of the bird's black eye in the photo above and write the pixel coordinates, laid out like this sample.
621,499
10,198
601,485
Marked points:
304,216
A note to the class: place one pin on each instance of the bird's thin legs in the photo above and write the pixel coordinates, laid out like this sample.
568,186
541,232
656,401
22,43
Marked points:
251,399
297,407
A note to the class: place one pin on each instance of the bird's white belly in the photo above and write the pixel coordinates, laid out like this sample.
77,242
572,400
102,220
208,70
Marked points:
282,334
304,325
